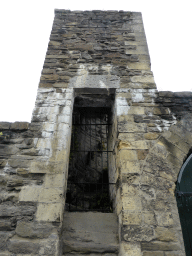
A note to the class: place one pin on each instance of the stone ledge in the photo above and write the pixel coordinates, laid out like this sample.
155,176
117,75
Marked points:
5,125
14,126
19,126
170,94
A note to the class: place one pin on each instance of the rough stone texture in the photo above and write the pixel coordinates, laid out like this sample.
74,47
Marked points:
96,53
90,232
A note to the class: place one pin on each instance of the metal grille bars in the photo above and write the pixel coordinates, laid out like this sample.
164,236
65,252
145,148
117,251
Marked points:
88,185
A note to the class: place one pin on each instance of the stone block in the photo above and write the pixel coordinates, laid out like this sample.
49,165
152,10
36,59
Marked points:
49,212
5,253
51,195
52,77
142,79
159,246
4,126
151,135
154,253
139,50
130,178
156,182
132,145
132,203
30,193
48,167
7,150
14,182
132,127
19,126
129,249
18,163
81,47
137,233
23,246
127,155
176,253
54,181
160,111
129,190
6,225
130,166
13,211
130,136
175,162
142,153
131,218
170,147
91,232
55,43
4,237
177,140
30,152
164,219
33,229
136,110
118,202
60,85
166,234
149,218
22,171
138,65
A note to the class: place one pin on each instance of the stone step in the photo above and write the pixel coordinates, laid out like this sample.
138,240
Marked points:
90,233
92,254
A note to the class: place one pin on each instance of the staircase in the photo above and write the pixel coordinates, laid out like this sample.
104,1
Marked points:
90,233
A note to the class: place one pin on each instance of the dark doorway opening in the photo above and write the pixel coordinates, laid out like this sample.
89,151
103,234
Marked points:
88,181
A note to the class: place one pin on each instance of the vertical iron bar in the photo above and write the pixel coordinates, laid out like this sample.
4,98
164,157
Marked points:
70,198
83,196
101,160
76,196
90,142
89,199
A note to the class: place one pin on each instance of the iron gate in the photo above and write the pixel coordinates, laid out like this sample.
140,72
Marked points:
88,183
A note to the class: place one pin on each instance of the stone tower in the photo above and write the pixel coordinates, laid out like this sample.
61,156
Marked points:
101,58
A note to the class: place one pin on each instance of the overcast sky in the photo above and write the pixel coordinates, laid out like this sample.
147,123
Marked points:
25,27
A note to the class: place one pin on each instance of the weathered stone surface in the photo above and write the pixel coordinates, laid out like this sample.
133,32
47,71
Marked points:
92,254
150,133
4,236
165,234
151,136
130,249
23,246
4,126
5,253
132,218
6,210
176,253
136,233
33,229
19,126
6,225
153,253
49,212
128,155
90,233
159,246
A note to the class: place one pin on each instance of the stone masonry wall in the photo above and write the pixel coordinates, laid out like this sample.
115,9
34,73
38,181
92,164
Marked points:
150,138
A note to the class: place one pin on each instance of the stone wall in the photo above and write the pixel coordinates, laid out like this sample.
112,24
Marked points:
153,143
150,139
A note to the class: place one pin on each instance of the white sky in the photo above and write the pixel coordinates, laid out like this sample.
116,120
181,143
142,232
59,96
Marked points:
25,28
